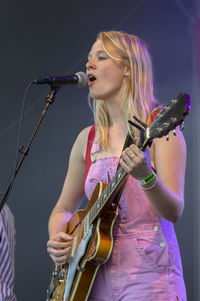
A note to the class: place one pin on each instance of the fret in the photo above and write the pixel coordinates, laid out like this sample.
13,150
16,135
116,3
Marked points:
91,214
104,194
86,224
98,205
112,184
107,191
101,201
119,175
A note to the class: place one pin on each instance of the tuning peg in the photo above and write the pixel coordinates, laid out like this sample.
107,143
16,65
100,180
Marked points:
167,137
174,132
182,126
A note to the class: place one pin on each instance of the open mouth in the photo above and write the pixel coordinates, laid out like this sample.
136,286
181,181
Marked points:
91,79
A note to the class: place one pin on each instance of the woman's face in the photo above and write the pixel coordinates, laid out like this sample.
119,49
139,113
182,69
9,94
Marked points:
105,76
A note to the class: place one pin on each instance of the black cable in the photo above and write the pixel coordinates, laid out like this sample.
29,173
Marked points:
12,177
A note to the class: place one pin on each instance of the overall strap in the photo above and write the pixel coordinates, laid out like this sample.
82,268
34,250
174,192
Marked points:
90,141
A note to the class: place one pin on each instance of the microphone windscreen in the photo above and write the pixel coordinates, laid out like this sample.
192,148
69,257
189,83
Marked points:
83,80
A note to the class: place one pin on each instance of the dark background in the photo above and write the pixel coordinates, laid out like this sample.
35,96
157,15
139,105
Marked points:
42,38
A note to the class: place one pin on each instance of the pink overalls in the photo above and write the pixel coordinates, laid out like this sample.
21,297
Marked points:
145,263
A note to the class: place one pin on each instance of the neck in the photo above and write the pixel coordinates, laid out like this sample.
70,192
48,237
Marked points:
115,115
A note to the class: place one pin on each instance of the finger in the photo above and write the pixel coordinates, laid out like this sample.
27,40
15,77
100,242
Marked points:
133,148
132,151
59,260
59,256
138,151
60,252
62,236
59,245
65,236
129,157
125,166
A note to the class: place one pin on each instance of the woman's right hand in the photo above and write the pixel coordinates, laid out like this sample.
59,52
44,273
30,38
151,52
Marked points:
59,247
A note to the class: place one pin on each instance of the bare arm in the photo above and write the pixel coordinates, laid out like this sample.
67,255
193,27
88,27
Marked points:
167,196
59,244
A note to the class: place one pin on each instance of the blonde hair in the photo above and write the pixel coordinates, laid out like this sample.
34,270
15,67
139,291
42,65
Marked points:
138,98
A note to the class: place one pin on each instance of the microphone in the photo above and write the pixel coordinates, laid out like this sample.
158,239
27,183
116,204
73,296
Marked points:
79,79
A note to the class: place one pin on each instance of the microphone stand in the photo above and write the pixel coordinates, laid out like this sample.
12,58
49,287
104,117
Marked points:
25,150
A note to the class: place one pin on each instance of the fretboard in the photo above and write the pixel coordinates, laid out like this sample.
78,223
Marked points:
110,189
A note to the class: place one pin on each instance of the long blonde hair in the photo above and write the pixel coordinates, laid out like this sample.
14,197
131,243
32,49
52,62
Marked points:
138,99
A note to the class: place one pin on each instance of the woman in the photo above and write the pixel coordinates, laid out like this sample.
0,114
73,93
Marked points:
145,262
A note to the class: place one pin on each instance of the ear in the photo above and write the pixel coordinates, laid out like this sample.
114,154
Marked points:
126,71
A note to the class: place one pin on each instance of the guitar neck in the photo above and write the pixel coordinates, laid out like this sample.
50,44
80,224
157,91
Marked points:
108,194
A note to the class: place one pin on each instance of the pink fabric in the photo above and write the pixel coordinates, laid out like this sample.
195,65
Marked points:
7,244
145,263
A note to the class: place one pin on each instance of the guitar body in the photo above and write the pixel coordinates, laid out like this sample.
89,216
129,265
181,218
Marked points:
97,250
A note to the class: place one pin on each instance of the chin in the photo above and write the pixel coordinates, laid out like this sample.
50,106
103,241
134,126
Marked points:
96,96
99,96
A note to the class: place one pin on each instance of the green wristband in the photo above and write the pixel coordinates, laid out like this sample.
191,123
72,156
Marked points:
148,179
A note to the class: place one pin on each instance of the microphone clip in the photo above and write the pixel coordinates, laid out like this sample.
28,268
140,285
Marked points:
50,98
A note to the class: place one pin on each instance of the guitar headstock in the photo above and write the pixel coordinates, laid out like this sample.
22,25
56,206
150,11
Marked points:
171,116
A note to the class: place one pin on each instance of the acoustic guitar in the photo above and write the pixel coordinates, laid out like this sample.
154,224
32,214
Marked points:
92,227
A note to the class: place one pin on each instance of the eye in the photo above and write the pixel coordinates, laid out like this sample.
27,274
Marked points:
101,58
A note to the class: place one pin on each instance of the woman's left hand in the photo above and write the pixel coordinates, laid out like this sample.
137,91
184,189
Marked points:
136,162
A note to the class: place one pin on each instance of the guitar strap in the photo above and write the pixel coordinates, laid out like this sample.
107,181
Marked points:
90,141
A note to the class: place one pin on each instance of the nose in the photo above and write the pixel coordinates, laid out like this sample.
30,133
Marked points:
90,65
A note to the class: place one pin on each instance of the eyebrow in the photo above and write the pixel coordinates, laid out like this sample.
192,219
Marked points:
98,52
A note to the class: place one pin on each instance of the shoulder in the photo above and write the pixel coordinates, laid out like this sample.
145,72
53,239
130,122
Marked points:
82,137
170,161
175,145
80,144
172,153
176,141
